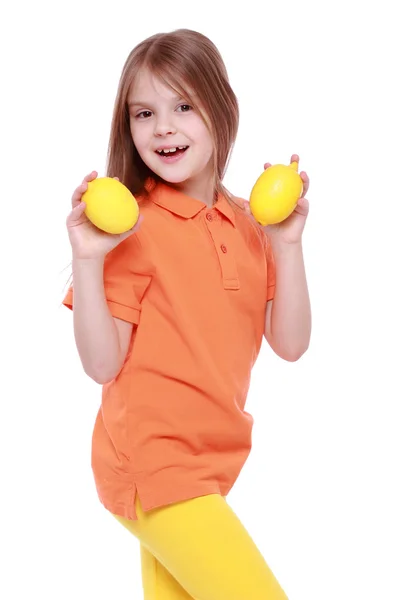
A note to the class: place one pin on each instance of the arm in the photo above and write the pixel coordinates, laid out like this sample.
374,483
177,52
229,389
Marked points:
288,315
102,341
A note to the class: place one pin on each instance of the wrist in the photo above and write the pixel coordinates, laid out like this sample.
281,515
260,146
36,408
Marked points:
87,263
280,246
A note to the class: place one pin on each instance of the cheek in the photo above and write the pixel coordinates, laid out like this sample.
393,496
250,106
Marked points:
139,143
204,138
208,144
139,135
134,134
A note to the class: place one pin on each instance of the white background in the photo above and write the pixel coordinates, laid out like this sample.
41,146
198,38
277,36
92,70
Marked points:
320,491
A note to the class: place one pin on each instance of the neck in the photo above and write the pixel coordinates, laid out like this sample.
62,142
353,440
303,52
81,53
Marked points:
199,192
200,188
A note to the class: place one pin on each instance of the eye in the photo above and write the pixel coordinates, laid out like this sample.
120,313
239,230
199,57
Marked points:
144,112
186,107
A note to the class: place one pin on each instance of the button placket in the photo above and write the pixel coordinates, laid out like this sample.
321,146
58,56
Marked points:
220,230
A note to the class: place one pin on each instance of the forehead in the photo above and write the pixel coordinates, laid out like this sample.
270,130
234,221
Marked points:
148,86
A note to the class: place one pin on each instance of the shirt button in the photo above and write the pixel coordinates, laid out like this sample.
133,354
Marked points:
224,248
209,217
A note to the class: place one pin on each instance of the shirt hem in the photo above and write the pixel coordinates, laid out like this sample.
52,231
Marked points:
127,510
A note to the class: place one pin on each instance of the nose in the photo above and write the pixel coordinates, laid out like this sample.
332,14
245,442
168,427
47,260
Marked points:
164,126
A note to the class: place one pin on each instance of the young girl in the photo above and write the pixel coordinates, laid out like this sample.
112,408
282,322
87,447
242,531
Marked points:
169,318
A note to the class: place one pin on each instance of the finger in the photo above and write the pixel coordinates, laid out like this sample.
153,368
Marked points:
90,177
245,204
295,158
306,183
138,223
76,213
267,165
117,178
302,206
78,193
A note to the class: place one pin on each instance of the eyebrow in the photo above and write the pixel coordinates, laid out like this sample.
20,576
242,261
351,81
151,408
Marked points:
140,103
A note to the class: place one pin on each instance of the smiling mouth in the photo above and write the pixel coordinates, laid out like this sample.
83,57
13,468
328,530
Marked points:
173,151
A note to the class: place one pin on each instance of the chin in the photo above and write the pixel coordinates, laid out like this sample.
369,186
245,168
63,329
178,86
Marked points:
172,175
171,178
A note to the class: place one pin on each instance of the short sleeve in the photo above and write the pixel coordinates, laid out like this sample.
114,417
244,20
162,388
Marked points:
270,270
125,281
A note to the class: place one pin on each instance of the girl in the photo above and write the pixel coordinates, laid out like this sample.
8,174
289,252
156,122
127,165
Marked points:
169,318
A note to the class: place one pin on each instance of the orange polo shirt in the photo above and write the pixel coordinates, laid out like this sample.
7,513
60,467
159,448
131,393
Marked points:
172,424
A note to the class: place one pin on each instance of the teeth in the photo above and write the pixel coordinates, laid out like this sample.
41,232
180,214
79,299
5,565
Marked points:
169,150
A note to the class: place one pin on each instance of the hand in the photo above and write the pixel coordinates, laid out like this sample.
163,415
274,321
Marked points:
86,239
290,230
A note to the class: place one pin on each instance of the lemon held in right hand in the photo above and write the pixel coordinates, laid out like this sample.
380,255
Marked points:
110,205
276,193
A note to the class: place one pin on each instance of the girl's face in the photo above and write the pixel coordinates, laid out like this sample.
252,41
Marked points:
159,119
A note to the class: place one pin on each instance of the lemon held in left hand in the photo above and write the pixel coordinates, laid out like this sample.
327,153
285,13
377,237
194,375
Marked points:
110,206
276,193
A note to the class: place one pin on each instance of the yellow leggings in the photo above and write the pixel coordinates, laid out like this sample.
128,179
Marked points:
199,550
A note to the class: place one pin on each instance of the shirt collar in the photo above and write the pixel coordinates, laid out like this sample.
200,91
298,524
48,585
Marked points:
185,206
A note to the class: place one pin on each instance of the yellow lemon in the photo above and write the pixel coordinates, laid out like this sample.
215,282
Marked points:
275,194
110,205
